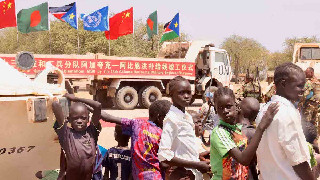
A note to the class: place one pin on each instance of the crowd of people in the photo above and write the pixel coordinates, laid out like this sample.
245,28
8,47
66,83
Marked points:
248,140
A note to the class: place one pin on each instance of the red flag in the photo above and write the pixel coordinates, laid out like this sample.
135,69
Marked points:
120,24
7,14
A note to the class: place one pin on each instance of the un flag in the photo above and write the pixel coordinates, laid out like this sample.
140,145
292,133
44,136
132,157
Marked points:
97,21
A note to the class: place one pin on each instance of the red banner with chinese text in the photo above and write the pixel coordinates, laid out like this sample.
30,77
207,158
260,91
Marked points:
112,67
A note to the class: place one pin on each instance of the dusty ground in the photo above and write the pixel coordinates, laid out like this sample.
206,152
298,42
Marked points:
106,138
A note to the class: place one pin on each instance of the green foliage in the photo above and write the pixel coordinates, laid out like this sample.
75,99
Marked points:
64,40
245,53
289,45
275,59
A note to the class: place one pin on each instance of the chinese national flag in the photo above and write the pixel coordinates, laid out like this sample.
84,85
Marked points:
7,14
120,24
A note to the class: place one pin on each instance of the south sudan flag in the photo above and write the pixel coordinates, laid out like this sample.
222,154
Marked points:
171,29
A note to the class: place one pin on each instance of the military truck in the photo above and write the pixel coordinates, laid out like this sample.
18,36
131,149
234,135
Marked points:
144,80
307,55
28,141
126,82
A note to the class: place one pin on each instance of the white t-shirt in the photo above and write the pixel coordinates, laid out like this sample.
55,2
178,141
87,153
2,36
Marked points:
283,144
178,138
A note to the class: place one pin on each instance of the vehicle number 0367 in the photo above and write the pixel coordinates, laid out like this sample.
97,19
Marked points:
16,150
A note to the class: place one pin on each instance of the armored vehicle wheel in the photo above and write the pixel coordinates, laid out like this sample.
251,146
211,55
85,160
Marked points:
127,98
140,95
150,95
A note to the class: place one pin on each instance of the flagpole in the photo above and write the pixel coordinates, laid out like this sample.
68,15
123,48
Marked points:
78,30
134,51
50,40
78,41
49,25
109,42
158,46
179,36
17,38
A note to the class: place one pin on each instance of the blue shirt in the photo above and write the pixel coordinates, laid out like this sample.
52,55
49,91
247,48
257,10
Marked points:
118,161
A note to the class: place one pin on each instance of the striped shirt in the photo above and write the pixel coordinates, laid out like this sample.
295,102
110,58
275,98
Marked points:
225,137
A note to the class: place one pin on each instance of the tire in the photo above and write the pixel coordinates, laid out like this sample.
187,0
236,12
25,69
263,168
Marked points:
140,95
101,97
150,95
127,98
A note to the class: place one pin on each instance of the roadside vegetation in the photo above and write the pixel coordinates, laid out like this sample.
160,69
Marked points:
246,53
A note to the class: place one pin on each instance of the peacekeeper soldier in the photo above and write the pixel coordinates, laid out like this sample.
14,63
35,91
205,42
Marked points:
270,93
249,89
309,104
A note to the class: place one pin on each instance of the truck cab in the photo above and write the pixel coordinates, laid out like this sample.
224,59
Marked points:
307,55
212,63
199,62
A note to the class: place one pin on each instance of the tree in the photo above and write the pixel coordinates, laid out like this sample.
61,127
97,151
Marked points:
289,45
275,59
64,40
246,53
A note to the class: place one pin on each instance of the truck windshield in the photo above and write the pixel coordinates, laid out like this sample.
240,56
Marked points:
310,53
221,57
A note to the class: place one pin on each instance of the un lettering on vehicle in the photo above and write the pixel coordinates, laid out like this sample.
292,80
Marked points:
224,70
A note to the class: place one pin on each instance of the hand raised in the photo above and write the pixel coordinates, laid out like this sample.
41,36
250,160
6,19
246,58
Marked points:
71,97
268,116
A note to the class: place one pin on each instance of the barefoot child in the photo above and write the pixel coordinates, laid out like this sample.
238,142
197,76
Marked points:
283,152
249,109
117,162
178,140
145,137
79,142
230,154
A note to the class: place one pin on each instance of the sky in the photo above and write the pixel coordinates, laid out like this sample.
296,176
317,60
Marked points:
269,22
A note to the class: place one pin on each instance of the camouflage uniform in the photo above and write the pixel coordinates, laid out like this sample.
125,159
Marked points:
250,89
270,93
309,106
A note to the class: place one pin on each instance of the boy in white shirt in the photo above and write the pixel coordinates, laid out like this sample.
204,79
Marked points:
178,145
283,151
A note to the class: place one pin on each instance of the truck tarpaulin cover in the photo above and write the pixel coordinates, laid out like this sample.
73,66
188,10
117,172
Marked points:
112,67
13,82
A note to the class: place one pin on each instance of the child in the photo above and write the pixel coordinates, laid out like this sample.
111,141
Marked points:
310,132
249,109
118,159
229,154
207,111
204,151
283,152
145,137
178,141
79,142
100,156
